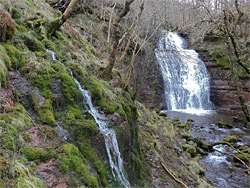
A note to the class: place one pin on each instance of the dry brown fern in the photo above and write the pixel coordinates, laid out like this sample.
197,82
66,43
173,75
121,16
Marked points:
7,26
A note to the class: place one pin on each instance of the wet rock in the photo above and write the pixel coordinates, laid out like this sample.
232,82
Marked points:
115,118
243,148
58,93
187,136
190,120
224,125
22,86
36,98
223,93
237,119
163,114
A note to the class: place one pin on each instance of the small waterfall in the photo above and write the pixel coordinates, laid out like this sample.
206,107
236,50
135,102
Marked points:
186,78
111,143
109,134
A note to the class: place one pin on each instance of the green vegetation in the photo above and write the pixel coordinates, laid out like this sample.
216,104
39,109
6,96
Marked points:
32,153
84,131
74,160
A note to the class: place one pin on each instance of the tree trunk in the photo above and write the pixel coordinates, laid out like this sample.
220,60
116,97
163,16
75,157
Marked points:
57,23
112,56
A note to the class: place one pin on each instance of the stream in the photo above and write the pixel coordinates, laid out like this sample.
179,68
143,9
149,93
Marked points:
221,168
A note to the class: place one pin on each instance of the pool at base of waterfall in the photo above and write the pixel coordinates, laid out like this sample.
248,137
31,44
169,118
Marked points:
222,170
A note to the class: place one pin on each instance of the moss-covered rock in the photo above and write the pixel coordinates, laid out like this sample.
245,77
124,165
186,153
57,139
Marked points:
43,108
84,131
230,139
3,72
45,113
190,149
16,57
74,160
37,153
224,125
70,88
32,43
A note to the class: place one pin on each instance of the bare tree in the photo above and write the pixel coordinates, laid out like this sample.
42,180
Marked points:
116,37
57,23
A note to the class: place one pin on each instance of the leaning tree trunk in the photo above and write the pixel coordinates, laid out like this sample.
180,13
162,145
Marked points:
57,23
112,56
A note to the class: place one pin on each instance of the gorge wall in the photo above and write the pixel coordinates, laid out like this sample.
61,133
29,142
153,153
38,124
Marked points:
223,93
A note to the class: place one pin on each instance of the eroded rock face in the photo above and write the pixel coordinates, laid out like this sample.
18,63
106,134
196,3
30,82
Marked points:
149,80
223,93
22,86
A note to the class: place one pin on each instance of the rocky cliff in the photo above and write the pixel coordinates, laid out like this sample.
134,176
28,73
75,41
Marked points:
223,92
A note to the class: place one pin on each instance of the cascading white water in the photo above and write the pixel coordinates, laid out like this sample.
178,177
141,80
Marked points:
111,143
186,78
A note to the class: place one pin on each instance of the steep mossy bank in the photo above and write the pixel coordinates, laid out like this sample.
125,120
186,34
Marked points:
39,100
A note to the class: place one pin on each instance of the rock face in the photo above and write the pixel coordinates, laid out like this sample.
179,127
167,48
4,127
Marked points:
223,93
149,80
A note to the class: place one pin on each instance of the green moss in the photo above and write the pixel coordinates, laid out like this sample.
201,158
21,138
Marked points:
60,36
15,13
13,173
4,57
16,58
70,88
32,43
8,142
84,131
244,157
190,149
3,73
86,128
224,125
26,137
118,130
74,160
157,110
93,85
76,111
110,107
42,107
52,25
230,139
16,119
77,70
190,120
33,153
69,119
45,113
49,45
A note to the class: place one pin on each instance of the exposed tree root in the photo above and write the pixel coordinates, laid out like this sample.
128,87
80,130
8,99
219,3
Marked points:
173,176
234,157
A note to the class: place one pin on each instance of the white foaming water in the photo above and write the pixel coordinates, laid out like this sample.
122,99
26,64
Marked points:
111,143
185,76
195,112
53,54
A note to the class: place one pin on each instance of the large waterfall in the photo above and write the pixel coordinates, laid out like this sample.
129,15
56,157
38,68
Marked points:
109,134
186,78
